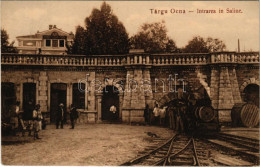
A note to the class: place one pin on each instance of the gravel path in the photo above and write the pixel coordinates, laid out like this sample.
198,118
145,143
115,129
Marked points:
90,144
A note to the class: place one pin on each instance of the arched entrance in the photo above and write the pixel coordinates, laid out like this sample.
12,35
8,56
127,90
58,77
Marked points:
58,95
110,97
251,94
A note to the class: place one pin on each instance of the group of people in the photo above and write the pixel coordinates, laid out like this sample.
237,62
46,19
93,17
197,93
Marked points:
175,116
36,122
60,117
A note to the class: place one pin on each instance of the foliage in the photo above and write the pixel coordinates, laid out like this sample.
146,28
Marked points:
215,45
201,45
104,34
6,47
78,46
153,38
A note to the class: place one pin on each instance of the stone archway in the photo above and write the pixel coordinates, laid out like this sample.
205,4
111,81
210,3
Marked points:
199,95
110,98
251,94
113,83
249,81
250,90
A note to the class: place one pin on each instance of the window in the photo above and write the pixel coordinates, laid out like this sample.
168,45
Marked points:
48,42
54,43
61,43
79,95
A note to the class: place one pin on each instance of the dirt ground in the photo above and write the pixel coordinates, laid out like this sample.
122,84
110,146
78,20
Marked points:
89,144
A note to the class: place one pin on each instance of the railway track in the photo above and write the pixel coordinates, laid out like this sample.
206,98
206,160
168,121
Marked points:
178,150
246,148
184,150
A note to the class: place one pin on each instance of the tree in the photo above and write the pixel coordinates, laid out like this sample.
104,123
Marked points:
79,46
104,34
196,45
6,47
153,38
215,45
201,45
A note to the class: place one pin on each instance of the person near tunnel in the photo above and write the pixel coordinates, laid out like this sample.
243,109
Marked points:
73,115
60,116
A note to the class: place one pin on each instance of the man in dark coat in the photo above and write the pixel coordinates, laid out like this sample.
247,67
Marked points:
146,113
60,116
73,116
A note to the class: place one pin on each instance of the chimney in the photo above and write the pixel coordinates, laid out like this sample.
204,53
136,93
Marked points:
238,47
50,27
54,26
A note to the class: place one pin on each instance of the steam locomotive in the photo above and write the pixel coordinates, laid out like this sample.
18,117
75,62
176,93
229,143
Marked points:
196,115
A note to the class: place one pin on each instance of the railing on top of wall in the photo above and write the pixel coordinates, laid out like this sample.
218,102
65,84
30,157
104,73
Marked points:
233,57
131,59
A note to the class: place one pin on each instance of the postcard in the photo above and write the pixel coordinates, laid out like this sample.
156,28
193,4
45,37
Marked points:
130,83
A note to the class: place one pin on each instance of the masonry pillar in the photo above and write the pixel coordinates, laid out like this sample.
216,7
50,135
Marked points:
121,98
148,92
225,100
91,94
214,87
99,100
43,92
134,98
234,85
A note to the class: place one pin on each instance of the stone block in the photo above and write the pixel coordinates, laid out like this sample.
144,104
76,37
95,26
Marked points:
137,113
42,98
137,119
224,115
125,119
43,78
43,83
44,108
42,88
43,93
43,73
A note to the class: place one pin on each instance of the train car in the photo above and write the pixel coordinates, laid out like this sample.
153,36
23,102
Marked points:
198,117
206,119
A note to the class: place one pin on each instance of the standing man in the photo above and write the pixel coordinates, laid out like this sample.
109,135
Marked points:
37,118
146,113
73,116
60,116
156,112
171,117
113,110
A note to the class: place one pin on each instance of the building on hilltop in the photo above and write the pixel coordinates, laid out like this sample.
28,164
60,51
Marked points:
52,41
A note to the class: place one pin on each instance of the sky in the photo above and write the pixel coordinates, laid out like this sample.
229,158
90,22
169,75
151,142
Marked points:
27,17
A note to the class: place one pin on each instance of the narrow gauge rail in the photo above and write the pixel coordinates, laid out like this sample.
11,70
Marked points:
178,150
246,148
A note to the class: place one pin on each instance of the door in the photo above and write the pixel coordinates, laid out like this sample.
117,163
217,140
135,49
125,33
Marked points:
58,95
110,97
29,100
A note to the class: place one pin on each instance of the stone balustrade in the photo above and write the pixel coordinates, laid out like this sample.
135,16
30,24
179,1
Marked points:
131,59
232,57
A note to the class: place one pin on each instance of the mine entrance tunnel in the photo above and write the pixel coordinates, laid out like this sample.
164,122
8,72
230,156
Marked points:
110,98
251,94
58,95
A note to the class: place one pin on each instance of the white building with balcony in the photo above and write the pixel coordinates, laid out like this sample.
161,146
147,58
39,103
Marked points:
52,41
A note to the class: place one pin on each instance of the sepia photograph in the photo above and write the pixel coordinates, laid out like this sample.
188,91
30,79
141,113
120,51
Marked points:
130,83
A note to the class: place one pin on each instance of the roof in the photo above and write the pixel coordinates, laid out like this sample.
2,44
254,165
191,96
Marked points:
27,36
38,34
